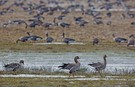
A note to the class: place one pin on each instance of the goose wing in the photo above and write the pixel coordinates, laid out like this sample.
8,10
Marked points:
67,66
12,65
98,64
75,68
120,39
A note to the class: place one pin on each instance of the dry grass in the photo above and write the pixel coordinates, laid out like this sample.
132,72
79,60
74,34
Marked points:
121,27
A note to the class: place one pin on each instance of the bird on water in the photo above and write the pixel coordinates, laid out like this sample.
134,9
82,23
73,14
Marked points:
14,66
100,66
72,67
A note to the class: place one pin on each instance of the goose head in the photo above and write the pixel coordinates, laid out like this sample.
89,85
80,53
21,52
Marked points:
76,59
105,56
21,62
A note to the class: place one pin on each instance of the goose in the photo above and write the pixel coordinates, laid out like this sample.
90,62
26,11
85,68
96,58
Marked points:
48,25
99,66
95,41
67,40
77,19
19,22
133,23
72,67
131,41
49,39
61,17
23,39
119,39
14,66
65,25
109,14
29,37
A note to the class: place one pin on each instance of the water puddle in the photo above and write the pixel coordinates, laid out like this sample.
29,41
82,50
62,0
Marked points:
116,62
39,76
82,78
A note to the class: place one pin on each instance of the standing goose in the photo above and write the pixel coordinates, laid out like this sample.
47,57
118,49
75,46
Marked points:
72,67
49,39
131,41
14,66
67,40
95,41
99,66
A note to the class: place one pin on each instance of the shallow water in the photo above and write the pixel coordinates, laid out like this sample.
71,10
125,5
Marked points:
39,76
64,77
115,60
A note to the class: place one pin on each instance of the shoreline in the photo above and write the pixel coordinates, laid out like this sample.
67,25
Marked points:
54,48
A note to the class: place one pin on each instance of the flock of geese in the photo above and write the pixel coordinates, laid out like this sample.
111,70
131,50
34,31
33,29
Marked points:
48,38
39,12
67,40
72,67
36,11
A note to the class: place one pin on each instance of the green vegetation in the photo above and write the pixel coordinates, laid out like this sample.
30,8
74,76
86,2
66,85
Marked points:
88,47
50,82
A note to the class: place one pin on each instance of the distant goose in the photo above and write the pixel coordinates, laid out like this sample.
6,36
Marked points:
35,38
77,19
133,23
72,67
98,20
131,42
60,17
48,25
35,22
19,22
95,41
49,39
23,39
119,39
29,37
67,40
131,15
64,25
14,66
99,66
80,21
109,14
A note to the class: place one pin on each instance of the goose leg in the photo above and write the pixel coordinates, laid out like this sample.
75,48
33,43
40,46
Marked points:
73,75
100,73
69,75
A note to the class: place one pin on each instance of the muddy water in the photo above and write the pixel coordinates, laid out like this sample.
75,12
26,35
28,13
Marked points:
115,60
